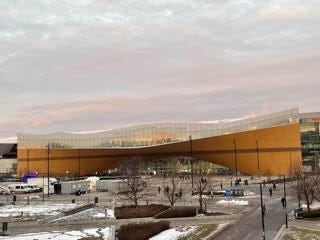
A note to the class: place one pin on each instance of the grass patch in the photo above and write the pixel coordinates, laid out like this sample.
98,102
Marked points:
301,234
126,212
141,231
201,232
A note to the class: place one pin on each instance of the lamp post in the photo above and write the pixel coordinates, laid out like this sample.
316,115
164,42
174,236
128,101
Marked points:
262,214
190,138
258,158
48,170
79,163
28,162
235,155
315,157
285,200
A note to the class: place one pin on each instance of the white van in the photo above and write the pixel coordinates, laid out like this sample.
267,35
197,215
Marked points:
20,188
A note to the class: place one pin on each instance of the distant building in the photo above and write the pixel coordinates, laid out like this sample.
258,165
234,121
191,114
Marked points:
268,145
8,158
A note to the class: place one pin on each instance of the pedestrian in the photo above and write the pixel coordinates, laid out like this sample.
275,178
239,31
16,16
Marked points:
264,183
264,210
180,193
274,186
221,185
283,201
270,191
159,189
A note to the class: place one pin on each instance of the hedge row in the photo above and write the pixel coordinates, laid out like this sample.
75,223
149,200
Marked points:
141,231
311,214
177,213
125,212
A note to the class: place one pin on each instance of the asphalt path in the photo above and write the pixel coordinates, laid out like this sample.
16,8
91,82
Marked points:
249,226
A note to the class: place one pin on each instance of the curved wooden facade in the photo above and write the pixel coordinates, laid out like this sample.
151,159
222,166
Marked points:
269,151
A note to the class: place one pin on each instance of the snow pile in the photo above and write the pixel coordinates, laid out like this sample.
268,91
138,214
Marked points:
174,233
106,233
232,202
87,215
314,205
34,209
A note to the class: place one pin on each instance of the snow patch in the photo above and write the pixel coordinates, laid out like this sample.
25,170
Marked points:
232,202
69,235
174,233
34,209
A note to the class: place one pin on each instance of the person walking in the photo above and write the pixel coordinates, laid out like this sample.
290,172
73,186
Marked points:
264,210
270,191
283,201
159,189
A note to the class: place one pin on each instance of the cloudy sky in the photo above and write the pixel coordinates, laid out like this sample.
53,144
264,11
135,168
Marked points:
83,65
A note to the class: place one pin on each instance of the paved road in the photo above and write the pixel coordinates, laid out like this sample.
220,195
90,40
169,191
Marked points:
249,226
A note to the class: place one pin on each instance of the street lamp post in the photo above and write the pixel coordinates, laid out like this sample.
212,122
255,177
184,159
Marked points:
285,200
235,155
48,170
190,138
258,158
262,214
315,157
79,163
28,161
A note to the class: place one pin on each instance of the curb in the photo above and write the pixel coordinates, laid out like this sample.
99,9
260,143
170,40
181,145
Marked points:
277,237
216,233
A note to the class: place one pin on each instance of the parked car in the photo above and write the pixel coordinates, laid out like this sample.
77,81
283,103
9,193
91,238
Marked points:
20,188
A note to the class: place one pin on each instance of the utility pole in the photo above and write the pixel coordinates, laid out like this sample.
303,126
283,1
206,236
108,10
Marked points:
235,155
258,158
262,214
48,170
191,161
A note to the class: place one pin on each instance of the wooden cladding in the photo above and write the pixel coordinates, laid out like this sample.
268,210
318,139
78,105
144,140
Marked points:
270,151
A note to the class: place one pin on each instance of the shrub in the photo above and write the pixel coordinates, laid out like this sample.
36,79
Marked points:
141,231
131,211
177,213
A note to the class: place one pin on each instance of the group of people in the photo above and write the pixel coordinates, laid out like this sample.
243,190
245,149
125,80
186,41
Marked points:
167,191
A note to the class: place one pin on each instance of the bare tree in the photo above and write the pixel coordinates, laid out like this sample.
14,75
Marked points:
201,183
171,190
306,185
135,189
316,182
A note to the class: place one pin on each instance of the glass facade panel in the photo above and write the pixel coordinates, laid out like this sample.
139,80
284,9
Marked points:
156,134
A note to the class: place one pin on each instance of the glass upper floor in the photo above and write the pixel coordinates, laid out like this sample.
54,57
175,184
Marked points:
154,134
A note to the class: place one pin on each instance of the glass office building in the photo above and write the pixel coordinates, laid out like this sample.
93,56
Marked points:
310,138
